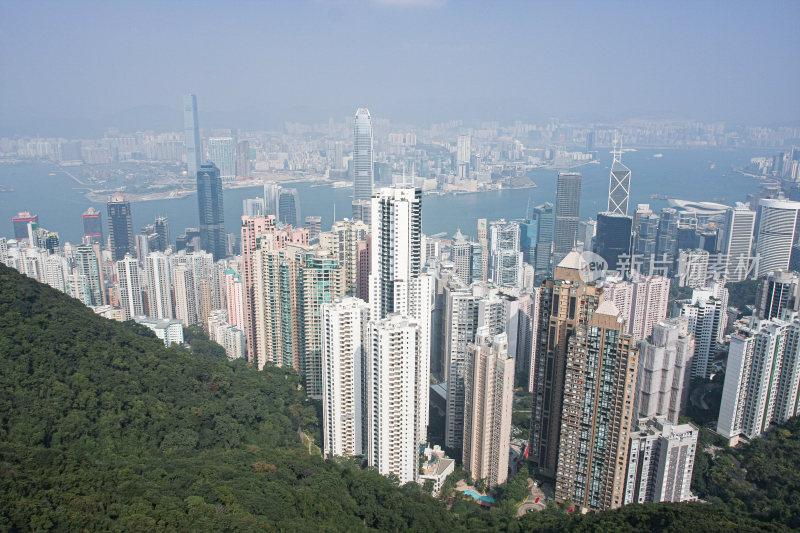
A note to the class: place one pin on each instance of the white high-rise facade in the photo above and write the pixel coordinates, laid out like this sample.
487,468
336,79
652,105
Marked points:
505,256
776,232
363,164
344,325
159,294
707,314
737,241
642,302
463,155
222,152
185,302
56,270
129,286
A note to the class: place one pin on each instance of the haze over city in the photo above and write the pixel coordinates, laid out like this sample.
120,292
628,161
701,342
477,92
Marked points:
76,68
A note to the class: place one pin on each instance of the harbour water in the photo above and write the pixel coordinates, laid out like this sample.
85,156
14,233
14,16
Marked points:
690,174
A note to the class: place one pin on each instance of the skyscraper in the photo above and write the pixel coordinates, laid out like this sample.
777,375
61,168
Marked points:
183,283
483,240
191,134
129,287
776,234
162,230
488,404
707,314
344,324
289,207
222,152
120,227
779,291
344,239
92,226
544,241
159,281
568,208
463,152
600,374
21,222
363,164
87,266
613,239
619,186
505,256
314,226
738,241
211,210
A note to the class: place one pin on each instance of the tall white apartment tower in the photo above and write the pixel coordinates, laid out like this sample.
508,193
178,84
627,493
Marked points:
159,295
505,256
393,345
344,324
738,241
130,288
776,232
363,161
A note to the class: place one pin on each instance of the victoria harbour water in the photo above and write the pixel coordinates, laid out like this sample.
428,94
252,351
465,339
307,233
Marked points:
689,174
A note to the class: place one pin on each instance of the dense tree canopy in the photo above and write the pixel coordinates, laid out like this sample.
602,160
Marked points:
102,428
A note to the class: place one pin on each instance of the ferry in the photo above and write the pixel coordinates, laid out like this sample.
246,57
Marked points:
657,156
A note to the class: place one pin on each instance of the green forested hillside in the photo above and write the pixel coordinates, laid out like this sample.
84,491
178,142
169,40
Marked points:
102,428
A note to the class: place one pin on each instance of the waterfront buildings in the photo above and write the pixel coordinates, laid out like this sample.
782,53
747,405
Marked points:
92,226
120,227
211,209
222,152
363,164
568,206
191,135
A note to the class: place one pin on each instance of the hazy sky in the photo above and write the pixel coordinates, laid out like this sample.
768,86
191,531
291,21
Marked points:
70,65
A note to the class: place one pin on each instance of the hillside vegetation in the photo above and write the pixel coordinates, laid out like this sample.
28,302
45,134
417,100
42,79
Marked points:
102,428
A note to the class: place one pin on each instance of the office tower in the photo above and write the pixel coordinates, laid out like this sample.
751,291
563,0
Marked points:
505,257
761,379
461,255
183,284
87,266
243,159
129,287
314,226
289,207
641,301
394,346
211,209
120,227
344,324
527,239
568,208
665,364
344,239
52,242
92,226
544,241
777,292
191,135
587,229
162,230
483,240
56,270
463,153
707,314
619,186
466,310
590,140
271,194
20,223
667,236
660,461
363,169
254,207
600,374
159,282
776,233
397,284
737,241
564,303
222,152
692,269
613,239
646,237
488,403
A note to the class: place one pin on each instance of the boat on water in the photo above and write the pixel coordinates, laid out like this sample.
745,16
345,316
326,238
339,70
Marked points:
713,166
657,156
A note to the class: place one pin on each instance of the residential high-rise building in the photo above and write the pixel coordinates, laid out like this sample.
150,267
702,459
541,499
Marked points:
505,256
488,405
707,314
92,226
191,135
183,283
463,153
642,301
544,241
660,461
56,270
692,268
120,227
129,287
159,282
394,346
87,266
161,226
234,290
363,164
344,356
565,303
737,241
211,210
252,228
568,208
665,371
613,239
314,226
222,152
597,410
483,241
289,207
762,378
344,240
778,291
776,234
